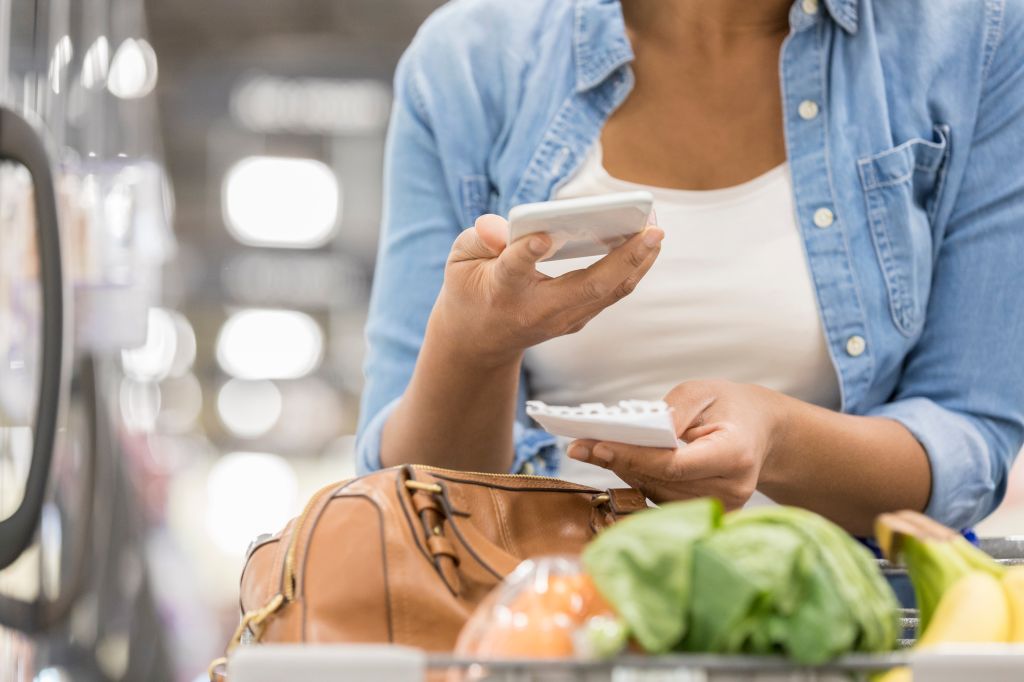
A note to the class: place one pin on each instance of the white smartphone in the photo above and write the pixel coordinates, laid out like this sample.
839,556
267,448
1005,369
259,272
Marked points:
587,226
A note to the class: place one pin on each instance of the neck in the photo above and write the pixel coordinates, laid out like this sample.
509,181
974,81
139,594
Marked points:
717,16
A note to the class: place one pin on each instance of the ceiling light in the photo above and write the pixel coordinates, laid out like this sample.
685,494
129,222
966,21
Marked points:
249,408
280,202
269,344
154,359
248,493
133,70
95,63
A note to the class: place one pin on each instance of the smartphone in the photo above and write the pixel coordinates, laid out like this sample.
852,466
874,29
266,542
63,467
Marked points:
587,226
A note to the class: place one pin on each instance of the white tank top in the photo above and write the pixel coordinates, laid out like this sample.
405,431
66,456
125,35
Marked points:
729,297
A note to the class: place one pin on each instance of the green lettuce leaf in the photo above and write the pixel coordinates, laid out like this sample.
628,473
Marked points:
643,567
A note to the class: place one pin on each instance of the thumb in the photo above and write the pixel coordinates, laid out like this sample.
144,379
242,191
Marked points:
486,239
689,401
493,231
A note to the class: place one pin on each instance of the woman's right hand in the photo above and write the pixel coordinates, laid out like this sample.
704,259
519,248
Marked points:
494,303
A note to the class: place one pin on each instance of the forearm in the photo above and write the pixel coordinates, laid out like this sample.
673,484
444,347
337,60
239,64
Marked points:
458,410
846,467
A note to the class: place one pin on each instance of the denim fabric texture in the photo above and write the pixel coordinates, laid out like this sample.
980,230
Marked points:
908,184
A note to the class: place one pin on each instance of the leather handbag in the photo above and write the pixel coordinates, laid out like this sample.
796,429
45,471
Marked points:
404,555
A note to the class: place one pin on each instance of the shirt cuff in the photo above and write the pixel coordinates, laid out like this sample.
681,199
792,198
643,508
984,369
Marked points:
963,490
536,451
368,441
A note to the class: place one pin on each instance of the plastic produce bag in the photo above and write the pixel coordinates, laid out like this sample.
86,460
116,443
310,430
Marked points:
546,608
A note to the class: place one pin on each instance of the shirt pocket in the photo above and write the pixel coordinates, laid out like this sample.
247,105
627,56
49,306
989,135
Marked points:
902,187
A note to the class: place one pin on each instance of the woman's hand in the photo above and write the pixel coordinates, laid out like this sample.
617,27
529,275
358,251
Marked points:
730,430
494,304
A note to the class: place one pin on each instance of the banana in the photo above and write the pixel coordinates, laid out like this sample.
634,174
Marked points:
974,609
936,557
1013,583
962,594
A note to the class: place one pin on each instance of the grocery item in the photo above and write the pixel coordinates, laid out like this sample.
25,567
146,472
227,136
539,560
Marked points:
645,569
542,610
1013,583
766,580
974,609
793,582
963,595
936,557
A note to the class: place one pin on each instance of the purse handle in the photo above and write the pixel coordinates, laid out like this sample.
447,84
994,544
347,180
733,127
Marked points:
434,508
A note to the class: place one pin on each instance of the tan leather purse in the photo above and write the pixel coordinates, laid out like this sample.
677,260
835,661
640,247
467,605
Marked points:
404,555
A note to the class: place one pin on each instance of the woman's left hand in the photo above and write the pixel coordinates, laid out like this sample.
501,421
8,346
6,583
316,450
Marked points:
730,430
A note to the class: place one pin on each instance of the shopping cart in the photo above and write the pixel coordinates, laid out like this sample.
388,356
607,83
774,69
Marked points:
684,668
341,663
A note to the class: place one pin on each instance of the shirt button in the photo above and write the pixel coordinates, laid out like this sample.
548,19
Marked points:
855,345
809,6
823,218
808,109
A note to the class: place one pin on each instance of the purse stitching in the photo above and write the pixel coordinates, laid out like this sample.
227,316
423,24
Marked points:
408,519
500,508
305,561
252,553
383,550
330,497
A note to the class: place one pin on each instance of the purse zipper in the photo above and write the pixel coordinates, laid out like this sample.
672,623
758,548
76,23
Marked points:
428,467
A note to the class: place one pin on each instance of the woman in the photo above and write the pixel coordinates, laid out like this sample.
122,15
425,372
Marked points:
831,304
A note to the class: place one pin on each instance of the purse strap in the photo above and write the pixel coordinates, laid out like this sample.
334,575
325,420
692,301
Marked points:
437,515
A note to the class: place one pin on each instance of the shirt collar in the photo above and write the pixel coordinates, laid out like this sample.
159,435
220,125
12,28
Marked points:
845,13
601,46
599,42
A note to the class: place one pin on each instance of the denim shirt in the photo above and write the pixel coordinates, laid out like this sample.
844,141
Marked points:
904,129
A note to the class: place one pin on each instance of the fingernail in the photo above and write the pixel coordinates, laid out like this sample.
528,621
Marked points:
652,217
603,455
580,452
538,246
653,237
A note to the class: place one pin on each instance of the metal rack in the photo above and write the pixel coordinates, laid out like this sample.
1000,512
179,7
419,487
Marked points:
682,668
386,663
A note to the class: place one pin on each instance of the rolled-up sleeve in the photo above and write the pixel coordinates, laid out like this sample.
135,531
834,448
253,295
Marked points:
962,389
422,218
967,481
418,228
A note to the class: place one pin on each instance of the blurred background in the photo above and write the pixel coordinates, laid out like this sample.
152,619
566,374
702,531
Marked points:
216,168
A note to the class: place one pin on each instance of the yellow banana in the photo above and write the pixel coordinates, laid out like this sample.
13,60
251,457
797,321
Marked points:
974,609
1013,583
936,557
